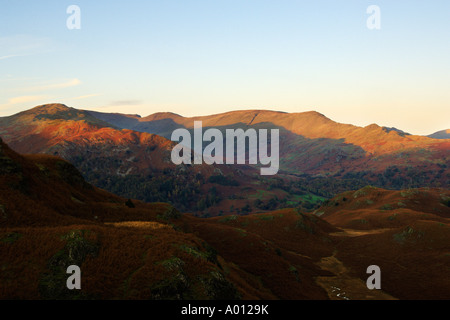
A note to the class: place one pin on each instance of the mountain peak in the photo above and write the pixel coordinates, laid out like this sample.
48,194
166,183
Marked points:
160,116
51,108
314,113
400,132
51,111
372,126
57,115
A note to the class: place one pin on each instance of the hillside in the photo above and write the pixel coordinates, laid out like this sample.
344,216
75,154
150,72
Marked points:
51,218
312,144
406,233
362,209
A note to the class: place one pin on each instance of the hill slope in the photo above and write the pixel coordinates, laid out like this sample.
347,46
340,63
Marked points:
444,134
406,233
373,208
51,218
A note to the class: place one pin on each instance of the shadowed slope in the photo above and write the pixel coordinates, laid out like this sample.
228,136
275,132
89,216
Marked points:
50,218
444,134
371,208
406,233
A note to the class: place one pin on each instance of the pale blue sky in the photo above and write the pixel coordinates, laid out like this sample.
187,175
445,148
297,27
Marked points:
197,57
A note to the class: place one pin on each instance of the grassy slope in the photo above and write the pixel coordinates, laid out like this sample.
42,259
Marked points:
51,218
406,233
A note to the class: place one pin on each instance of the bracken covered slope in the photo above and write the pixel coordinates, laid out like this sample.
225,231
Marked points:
51,218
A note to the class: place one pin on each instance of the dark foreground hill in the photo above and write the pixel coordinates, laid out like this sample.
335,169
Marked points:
51,218
406,233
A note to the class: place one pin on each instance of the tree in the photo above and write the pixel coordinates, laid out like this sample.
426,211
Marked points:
130,204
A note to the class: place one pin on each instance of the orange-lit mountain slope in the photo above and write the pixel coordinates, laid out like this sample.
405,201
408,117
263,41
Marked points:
373,139
44,128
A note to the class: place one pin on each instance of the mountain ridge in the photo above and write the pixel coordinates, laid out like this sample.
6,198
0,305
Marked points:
311,143
311,124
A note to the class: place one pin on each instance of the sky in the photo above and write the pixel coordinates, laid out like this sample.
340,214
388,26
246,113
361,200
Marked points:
198,57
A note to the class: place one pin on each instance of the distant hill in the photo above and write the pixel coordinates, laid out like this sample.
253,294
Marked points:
444,134
312,144
311,125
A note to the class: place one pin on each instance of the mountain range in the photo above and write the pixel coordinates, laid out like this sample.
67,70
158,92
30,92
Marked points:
312,144
129,155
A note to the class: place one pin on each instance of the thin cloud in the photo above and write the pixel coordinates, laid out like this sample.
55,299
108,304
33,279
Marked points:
15,102
23,45
13,56
67,84
125,103
24,99
87,96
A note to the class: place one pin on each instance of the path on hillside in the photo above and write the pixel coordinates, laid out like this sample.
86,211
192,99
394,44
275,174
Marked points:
344,286
357,233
